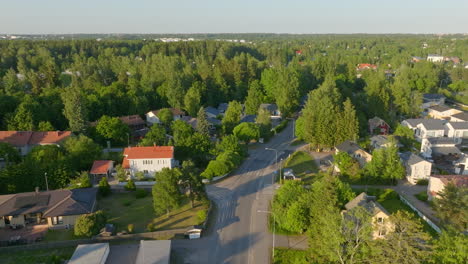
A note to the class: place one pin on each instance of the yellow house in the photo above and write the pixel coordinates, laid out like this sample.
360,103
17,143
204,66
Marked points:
57,208
380,217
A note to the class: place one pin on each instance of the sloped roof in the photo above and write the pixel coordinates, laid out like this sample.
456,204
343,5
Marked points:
269,107
153,152
101,166
132,120
411,158
248,119
458,180
463,116
23,138
440,108
348,146
212,110
459,125
368,202
174,111
445,150
90,254
213,121
441,141
376,121
50,203
222,107
192,121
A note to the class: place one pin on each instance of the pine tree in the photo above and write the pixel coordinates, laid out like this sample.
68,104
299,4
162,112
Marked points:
348,125
254,98
232,117
203,126
74,109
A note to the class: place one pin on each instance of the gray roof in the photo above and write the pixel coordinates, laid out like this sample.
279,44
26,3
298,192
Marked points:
445,150
410,158
211,110
434,124
463,116
379,140
222,107
459,125
431,97
213,121
348,146
441,141
270,107
440,108
90,254
366,201
154,252
50,203
248,119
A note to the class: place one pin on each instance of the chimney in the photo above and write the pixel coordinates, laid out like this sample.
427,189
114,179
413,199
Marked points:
37,190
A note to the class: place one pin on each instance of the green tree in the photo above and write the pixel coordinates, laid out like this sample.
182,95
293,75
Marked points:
385,166
104,187
81,152
130,186
165,116
23,118
166,194
232,117
192,182
348,125
192,99
112,128
82,181
45,126
9,154
348,165
74,109
450,248
203,126
155,136
88,225
247,132
451,206
230,144
264,122
254,98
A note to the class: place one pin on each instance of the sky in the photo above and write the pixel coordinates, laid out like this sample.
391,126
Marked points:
233,16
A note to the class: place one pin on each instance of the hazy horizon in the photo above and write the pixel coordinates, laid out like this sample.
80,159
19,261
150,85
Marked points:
242,16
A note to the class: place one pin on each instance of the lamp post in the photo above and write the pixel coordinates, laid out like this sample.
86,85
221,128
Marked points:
276,160
274,231
47,184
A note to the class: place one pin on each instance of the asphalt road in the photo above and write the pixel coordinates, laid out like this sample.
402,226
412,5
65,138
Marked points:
239,234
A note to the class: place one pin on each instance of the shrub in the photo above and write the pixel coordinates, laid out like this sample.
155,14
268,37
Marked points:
130,186
104,187
140,176
130,228
151,227
140,193
201,215
422,182
89,224
422,196
127,202
387,194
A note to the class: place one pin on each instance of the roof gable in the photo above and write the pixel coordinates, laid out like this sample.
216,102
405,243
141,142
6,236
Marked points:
153,152
101,166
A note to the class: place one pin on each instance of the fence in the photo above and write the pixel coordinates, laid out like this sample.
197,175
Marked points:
71,243
423,216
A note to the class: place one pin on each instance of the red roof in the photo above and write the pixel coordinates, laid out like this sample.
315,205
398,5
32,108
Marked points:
101,166
154,152
458,180
132,120
23,138
363,66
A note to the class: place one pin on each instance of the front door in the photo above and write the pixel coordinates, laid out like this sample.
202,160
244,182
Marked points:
7,220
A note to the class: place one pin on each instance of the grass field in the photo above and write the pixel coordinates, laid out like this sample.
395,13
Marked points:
290,256
123,209
303,165
59,235
58,255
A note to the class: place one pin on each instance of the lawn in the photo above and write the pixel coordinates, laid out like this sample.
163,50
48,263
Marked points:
303,165
59,235
56,255
290,256
123,209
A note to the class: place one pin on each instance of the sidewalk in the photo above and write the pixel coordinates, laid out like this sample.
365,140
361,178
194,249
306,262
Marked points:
293,242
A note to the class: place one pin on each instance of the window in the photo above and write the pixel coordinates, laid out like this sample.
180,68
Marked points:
57,220
382,232
380,220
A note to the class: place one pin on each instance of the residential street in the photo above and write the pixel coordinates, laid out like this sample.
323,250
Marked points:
239,234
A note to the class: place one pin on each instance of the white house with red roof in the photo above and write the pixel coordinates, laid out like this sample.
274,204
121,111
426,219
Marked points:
24,141
148,160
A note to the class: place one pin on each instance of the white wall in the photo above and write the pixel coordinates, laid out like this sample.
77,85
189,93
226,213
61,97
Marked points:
150,165
419,171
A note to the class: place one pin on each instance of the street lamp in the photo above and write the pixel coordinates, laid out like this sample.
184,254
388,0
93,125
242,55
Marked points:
274,231
276,153
47,184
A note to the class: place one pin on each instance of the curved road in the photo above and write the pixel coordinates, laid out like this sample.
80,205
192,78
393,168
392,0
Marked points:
239,234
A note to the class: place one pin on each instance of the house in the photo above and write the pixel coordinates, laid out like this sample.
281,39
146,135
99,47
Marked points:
426,128
366,66
435,58
417,168
457,131
455,60
417,59
378,126
248,119
102,168
154,252
134,122
441,146
437,184
432,99
148,160
460,117
192,121
96,253
442,112
24,141
461,165
57,208
380,217
383,141
222,107
152,116
211,112
272,108
355,151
